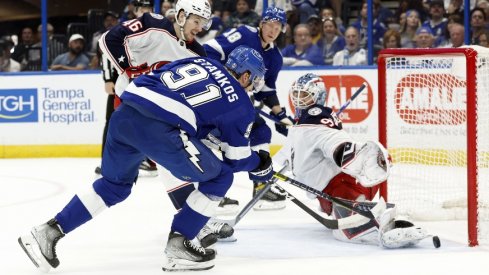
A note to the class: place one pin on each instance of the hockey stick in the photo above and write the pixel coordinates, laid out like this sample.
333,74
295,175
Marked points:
342,108
354,206
357,92
251,203
343,223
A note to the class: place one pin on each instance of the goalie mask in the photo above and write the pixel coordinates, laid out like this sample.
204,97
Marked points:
306,91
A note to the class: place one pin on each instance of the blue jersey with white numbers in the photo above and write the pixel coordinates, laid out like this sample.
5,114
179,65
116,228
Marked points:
220,47
199,95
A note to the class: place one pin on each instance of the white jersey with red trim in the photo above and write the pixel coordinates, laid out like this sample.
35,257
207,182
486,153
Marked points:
310,146
149,39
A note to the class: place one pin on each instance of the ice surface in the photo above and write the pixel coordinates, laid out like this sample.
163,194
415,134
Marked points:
129,238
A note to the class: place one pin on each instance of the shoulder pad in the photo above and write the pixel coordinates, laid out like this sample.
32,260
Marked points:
156,16
251,29
318,114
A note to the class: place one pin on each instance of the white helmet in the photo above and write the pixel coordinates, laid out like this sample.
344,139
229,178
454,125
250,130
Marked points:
309,89
197,7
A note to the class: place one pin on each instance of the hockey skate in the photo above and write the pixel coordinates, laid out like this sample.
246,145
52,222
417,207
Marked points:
272,200
147,168
185,255
40,245
214,231
98,170
227,207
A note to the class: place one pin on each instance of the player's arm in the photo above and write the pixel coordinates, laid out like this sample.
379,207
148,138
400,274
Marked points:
235,146
220,47
112,43
237,152
368,162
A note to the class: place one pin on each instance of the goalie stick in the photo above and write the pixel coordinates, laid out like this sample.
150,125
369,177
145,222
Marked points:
342,108
343,223
357,207
347,222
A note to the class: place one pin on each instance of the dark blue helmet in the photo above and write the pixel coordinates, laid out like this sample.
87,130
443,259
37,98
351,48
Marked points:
143,3
243,59
275,14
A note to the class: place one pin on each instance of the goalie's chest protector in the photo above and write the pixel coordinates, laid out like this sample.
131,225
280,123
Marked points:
312,142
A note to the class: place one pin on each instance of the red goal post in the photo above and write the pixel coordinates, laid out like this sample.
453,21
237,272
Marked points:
434,120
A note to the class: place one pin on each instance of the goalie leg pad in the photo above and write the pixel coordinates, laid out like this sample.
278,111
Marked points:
368,233
369,163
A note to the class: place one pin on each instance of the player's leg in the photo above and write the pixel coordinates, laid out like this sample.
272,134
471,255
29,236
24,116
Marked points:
385,231
178,191
345,186
119,170
188,159
260,138
147,168
109,109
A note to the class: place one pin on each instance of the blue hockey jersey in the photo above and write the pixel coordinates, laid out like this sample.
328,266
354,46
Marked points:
149,39
199,95
220,47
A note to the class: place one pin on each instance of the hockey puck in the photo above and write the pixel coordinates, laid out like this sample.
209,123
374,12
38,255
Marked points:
436,242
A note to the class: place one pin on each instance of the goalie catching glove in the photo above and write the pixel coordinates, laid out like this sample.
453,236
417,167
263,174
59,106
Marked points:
264,171
368,163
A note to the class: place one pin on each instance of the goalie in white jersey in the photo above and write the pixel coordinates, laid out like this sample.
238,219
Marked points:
320,154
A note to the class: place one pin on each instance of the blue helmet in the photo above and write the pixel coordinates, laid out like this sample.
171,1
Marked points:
243,59
275,14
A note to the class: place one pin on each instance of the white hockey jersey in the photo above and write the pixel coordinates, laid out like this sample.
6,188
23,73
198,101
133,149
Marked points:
149,39
310,146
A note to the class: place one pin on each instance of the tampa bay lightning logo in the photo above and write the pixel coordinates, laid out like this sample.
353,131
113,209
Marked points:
314,111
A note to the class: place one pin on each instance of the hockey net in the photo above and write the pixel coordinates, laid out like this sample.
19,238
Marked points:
434,120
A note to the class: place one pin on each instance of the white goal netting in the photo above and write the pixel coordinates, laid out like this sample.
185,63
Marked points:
427,134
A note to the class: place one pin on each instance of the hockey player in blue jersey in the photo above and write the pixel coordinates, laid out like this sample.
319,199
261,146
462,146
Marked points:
138,46
262,40
164,116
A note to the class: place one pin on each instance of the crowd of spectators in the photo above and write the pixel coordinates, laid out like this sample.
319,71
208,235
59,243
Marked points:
319,32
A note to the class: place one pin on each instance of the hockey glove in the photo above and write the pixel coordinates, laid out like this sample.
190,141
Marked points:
284,121
264,171
135,71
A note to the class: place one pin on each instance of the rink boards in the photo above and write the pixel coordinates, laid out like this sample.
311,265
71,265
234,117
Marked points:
62,114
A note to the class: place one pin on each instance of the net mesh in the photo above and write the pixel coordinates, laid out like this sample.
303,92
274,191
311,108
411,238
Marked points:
427,135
